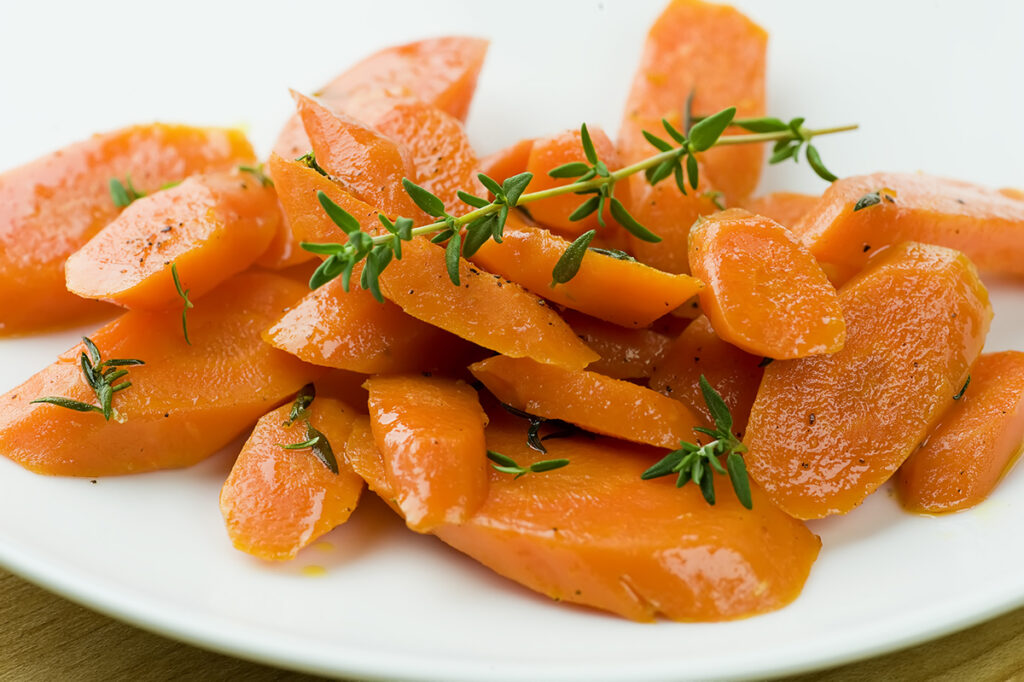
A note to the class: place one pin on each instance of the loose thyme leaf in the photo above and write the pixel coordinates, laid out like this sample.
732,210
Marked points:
184,297
588,144
303,445
963,389
573,169
705,134
548,465
507,465
617,254
501,459
451,257
300,405
70,404
814,159
321,448
339,216
569,263
123,194
623,217
869,199
257,172
430,203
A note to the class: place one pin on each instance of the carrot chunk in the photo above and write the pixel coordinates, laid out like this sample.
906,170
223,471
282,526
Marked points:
785,208
625,353
507,162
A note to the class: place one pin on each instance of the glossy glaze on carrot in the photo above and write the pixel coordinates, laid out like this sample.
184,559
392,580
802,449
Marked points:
625,353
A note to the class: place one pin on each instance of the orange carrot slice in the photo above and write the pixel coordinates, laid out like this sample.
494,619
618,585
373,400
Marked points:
785,208
625,353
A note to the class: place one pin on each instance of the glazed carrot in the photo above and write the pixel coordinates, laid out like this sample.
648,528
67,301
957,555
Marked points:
986,225
50,207
717,54
977,441
765,293
593,533
277,501
344,386
589,400
209,227
184,404
827,430
430,432
732,372
507,162
785,208
625,353
484,309
624,292
1012,192
548,153
353,331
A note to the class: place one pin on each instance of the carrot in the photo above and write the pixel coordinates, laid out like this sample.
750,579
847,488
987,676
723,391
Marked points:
505,163
184,404
983,223
765,293
785,208
209,227
589,400
51,207
625,353
977,441
732,372
827,430
624,292
717,54
430,432
277,501
593,533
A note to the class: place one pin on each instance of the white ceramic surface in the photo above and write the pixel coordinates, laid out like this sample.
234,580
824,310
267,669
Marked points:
930,82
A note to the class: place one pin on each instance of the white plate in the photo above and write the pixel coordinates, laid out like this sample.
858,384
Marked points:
930,84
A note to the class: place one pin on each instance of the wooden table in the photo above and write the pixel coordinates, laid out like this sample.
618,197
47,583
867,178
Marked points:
45,637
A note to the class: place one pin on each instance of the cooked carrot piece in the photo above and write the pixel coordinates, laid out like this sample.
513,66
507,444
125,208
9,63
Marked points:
1012,192
827,430
366,163
732,372
624,292
785,208
184,404
764,291
589,400
975,443
51,207
593,533
505,163
625,353
209,227
986,225
548,153
717,54
430,432
277,501
484,308
353,331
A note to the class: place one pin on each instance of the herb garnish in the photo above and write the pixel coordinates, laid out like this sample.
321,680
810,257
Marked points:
507,465
309,161
123,194
698,463
315,441
533,437
963,389
872,198
101,376
257,172
184,296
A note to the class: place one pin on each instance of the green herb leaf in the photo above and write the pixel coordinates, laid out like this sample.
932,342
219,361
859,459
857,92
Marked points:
573,169
548,465
665,466
76,405
705,134
303,399
692,171
477,234
490,184
309,161
784,153
501,459
429,203
569,263
672,132
657,142
123,194
588,144
716,405
738,476
630,223
766,124
688,111
617,254
183,293
514,187
660,172
324,249
963,389
100,378
814,160
321,448
472,199
451,257
869,199
257,172
339,216
585,209
303,445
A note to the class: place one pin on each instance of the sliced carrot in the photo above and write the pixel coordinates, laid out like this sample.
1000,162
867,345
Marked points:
277,501
977,441
620,291
593,533
209,227
51,207
697,352
184,404
589,400
430,432
785,208
986,225
717,54
827,430
344,386
625,353
765,292
505,163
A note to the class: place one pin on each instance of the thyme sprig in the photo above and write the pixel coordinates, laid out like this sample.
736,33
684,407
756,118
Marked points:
124,193
316,442
507,465
188,305
102,376
699,462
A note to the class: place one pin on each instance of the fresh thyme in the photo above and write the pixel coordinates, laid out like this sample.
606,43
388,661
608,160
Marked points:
258,173
466,233
873,198
184,297
507,465
698,463
316,442
101,375
963,389
533,437
123,193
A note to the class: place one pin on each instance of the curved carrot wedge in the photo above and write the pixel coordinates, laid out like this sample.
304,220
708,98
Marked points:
485,309
353,331
184,404
547,154
430,432
624,292
277,501
505,163
668,213
589,400
210,227
827,430
698,351
51,207
765,293
636,548
716,53
785,208
625,353
976,442
987,225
